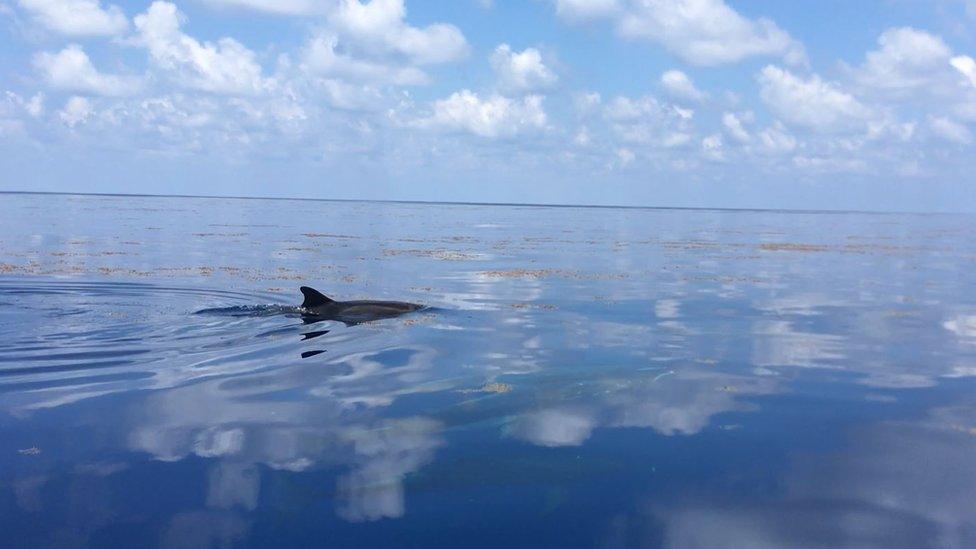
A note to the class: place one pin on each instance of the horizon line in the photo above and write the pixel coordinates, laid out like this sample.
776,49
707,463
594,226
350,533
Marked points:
494,204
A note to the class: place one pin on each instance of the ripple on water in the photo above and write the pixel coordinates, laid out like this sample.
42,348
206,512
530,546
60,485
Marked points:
158,343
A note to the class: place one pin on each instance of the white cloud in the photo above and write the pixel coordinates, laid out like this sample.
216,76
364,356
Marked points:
77,17
75,111
378,27
355,97
967,66
493,116
811,103
830,163
950,130
915,68
735,128
521,71
71,69
907,59
586,103
371,44
586,9
713,146
280,7
33,106
224,126
224,67
775,139
646,121
701,32
12,109
708,32
321,57
582,138
625,157
344,83
680,86
624,108
675,139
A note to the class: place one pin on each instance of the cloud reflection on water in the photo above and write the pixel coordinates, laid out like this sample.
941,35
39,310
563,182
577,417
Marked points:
894,484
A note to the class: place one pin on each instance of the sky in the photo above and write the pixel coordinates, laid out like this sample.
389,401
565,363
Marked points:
811,104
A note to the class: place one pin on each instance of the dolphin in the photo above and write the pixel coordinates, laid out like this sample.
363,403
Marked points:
317,306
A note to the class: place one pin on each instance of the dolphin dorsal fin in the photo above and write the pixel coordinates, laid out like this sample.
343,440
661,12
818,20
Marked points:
313,298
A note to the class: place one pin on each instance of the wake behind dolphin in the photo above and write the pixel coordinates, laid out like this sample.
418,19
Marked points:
317,306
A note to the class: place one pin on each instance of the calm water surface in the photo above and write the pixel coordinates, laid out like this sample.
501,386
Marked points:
585,377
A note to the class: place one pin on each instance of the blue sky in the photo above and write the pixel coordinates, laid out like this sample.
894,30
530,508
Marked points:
804,104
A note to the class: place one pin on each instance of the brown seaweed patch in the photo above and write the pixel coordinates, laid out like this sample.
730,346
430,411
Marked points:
544,273
792,247
120,271
442,254
693,245
415,320
220,234
727,279
327,235
495,388
541,306
90,254
286,274
523,273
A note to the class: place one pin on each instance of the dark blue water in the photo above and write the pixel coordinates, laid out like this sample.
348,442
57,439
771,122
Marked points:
585,377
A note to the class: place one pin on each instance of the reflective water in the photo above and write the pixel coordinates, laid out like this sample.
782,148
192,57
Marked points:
586,377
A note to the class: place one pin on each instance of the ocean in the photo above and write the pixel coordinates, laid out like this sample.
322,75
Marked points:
580,377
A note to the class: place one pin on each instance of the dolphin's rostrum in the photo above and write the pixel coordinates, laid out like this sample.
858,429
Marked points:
318,306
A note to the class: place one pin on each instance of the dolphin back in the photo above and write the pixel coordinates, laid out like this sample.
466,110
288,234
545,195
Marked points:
314,298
